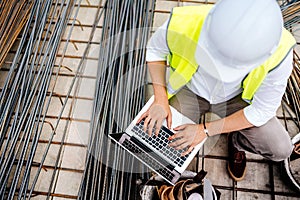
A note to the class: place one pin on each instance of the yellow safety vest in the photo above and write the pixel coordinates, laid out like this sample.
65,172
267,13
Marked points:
182,36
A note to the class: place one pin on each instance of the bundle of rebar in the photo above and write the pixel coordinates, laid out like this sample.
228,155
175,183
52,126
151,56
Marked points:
291,15
292,94
291,99
23,104
110,173
13,16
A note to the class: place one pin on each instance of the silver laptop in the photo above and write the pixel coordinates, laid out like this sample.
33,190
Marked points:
154,151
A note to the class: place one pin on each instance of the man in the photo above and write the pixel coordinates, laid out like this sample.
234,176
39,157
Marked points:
233,59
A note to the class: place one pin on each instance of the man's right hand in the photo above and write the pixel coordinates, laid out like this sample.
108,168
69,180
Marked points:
154,116
160,109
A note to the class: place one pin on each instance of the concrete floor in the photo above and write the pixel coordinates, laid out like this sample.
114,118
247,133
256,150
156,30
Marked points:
263,179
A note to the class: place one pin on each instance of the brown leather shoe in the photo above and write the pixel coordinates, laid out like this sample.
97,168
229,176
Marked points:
236,161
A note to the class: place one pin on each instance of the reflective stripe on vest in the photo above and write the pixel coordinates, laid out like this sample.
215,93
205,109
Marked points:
183,32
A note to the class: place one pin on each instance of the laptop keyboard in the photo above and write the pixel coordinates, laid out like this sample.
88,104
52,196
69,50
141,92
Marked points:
161,142
165,171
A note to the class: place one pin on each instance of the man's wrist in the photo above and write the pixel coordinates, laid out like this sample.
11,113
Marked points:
205,130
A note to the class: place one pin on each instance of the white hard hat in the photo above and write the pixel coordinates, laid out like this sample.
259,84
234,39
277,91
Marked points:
237,36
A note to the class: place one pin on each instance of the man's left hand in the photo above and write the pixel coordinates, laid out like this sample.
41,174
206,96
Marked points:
187,135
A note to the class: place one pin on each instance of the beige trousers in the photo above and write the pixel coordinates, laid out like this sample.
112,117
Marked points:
270,140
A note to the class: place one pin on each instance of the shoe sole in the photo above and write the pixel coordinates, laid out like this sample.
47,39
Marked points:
232,175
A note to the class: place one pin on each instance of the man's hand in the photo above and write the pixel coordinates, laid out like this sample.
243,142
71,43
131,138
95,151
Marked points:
155,115
187,135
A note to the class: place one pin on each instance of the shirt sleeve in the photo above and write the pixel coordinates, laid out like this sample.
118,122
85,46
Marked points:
268,97
157,47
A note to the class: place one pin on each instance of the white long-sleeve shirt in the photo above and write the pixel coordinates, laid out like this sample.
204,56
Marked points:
266,100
